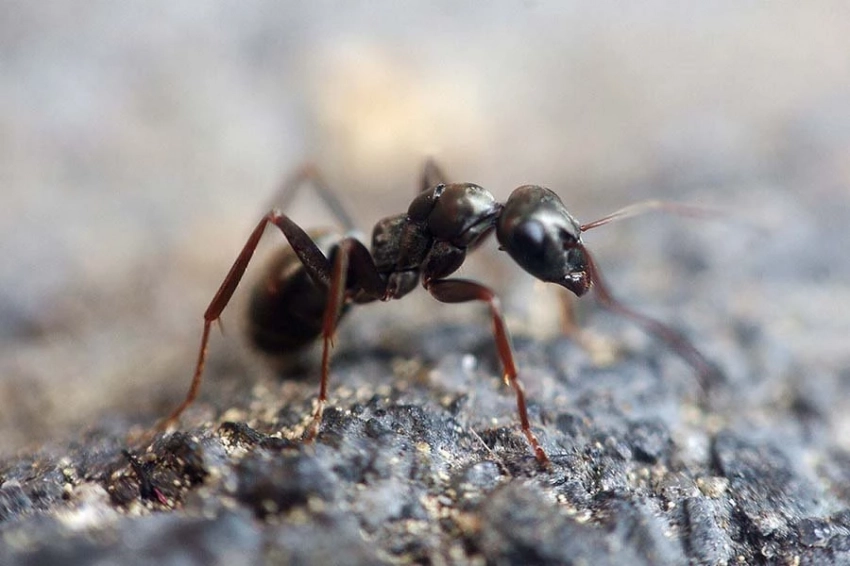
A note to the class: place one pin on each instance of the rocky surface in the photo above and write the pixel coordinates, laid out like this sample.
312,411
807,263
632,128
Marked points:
420,460
136,169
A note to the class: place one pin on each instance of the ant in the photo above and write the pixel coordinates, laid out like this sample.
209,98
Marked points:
309,286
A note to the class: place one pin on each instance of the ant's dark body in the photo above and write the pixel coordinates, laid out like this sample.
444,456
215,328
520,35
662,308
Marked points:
310,284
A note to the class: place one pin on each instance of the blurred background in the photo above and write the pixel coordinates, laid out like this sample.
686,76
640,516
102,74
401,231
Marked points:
140,143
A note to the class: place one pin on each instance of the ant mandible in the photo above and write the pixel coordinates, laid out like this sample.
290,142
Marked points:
310,284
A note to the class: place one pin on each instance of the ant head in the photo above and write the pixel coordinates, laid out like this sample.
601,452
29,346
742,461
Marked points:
544,239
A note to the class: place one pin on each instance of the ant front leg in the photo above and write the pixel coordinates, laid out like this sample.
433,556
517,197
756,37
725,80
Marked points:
314,261
708,373
602,350
462,291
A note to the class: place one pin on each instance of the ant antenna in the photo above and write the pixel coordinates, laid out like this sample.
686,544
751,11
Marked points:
707,372
650,206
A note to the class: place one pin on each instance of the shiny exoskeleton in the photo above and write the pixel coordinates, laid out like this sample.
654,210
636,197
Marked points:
310,284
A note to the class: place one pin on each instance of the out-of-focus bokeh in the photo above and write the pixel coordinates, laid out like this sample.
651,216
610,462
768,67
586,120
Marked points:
139,143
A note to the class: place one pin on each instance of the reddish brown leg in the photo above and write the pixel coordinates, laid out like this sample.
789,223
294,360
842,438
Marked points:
461,291
569,324
335,301
601,350
707,372
314,261
351,259
308,174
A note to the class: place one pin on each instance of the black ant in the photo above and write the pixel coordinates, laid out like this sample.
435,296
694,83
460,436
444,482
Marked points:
309,285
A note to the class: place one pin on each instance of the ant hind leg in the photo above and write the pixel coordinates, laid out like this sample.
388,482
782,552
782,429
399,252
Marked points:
309,174
316,264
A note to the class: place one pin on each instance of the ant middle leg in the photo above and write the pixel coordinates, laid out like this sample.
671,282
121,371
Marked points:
462,291
354,276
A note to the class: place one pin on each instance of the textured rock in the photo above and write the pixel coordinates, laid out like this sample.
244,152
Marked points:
419,458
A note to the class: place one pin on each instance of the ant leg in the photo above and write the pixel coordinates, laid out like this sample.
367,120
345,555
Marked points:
601,350
308,174
314,261
334,304
707,372
350,260
432,174
461,291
